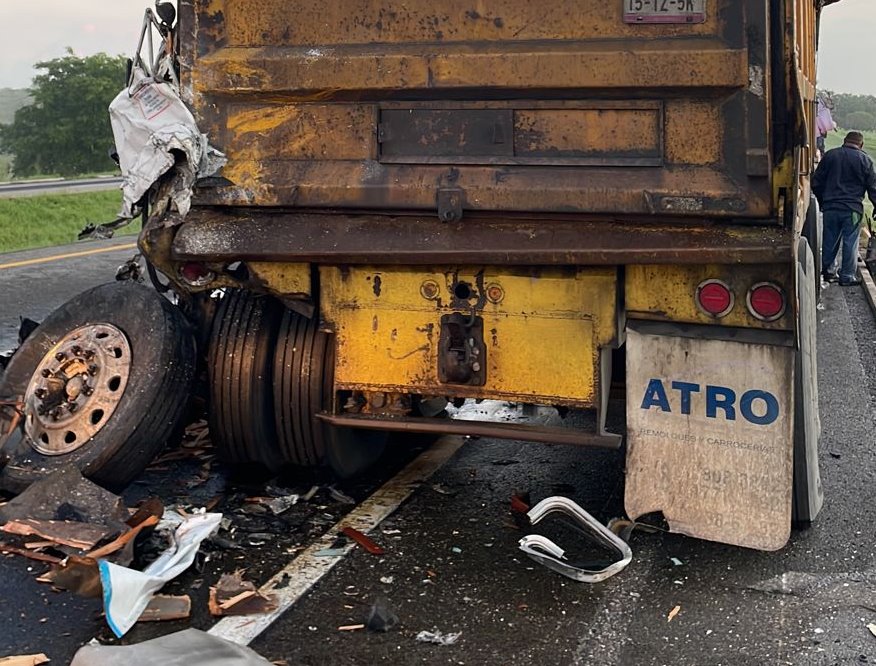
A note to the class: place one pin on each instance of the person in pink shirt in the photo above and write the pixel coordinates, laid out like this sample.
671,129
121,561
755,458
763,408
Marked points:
824,122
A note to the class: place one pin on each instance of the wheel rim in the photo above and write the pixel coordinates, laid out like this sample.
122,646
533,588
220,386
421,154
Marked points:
76,388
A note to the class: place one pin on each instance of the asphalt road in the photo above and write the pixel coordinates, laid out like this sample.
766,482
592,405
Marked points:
452,564
34,282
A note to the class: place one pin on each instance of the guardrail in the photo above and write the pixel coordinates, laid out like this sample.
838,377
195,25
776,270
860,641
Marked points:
59,185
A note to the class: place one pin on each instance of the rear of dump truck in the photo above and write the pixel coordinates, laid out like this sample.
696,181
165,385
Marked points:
522,201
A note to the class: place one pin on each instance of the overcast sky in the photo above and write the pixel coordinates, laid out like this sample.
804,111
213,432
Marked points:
37,30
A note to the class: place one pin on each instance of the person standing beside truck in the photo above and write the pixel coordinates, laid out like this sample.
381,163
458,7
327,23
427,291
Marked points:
824,123
842,178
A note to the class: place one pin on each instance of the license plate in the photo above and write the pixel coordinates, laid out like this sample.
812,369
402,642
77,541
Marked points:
664,11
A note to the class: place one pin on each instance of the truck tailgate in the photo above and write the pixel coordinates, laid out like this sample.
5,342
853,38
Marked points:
454,105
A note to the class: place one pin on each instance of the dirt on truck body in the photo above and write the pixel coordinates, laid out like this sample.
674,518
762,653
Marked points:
429,202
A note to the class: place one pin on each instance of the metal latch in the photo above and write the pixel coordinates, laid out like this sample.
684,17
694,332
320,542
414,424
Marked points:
462,354
450,204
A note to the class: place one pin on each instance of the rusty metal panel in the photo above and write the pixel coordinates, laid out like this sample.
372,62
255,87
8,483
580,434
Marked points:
449,135
316,22
542,329
610,136
709,437
571,133
668,293
301,97
232,234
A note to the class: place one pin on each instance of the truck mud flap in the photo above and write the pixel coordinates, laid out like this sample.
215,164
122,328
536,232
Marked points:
710,433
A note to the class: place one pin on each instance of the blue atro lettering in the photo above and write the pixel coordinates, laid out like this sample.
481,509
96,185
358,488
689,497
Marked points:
755,406
655,396
720,397
772,407
685,388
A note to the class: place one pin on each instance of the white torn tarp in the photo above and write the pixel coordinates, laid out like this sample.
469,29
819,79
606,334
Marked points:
153,131
191,647
126,592
546,552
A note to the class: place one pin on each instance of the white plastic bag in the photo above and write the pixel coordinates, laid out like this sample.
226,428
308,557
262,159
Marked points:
126,592
150,121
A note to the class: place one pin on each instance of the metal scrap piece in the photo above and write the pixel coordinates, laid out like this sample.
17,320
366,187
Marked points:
546,552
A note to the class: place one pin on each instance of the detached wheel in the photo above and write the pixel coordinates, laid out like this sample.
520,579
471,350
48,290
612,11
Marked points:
303,384
104,382
240,355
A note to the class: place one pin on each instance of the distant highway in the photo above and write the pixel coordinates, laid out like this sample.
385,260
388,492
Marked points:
29,188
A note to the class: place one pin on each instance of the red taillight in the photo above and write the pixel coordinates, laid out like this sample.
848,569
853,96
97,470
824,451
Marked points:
766,301
714,298
195,273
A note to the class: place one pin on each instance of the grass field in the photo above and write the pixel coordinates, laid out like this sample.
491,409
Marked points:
43,221
835,140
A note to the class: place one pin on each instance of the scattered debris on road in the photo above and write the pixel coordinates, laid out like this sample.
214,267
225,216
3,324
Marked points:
164,607
438,638
381,617
191,647
127,591
62,532
675,611
362,540
351,627
233,595
25,660
546,552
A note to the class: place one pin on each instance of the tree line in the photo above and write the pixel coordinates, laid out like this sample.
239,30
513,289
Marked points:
854,112
65,129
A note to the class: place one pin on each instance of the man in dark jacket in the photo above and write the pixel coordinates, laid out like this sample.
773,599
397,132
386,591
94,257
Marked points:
842,178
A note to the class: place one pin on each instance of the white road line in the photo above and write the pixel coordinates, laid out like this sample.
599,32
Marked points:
303,572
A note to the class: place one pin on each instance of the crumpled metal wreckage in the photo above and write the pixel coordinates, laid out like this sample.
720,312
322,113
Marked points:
546,552
152,126
155,133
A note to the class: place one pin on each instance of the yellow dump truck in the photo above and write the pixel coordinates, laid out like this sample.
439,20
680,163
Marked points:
432,202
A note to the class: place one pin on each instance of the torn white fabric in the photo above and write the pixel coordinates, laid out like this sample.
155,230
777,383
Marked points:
150,124
126,592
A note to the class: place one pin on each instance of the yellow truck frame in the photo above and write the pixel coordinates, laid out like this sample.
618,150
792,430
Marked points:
438,201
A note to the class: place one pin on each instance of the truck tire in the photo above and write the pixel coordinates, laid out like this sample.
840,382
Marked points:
240,352
303,386
104,380
808,494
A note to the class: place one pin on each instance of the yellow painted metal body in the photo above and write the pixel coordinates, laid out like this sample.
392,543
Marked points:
542,336
666,293
301,97
526,112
